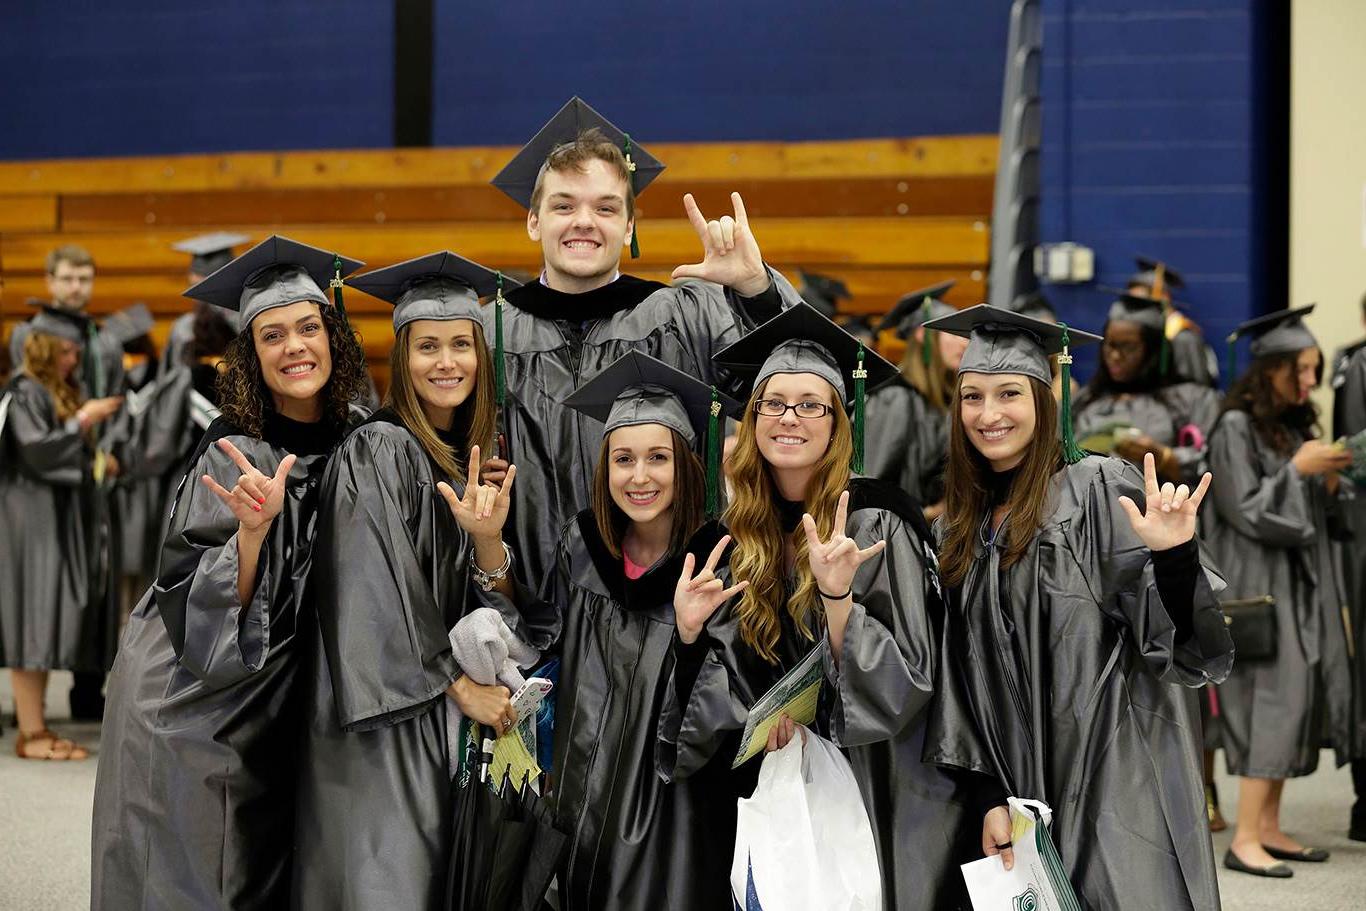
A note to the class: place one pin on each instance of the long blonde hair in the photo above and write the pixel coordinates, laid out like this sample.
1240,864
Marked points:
477,415
759,542
41,351
933,381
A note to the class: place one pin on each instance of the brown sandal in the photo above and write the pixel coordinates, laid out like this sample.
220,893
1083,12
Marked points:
60,749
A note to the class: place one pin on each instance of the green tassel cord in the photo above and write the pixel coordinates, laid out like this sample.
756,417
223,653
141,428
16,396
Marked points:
1071,452
500,380
714,457
860,382
1164,359
635,229
337,288
926,355
1231,360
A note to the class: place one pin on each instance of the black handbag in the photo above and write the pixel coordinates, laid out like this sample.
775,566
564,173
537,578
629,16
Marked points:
1252,626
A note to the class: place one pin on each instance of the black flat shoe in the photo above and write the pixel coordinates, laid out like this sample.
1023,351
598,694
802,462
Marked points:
1305,855
1275,871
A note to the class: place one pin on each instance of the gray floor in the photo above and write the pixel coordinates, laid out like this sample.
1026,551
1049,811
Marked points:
45,831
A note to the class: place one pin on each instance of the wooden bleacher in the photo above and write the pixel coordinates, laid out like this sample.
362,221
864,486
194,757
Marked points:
884,215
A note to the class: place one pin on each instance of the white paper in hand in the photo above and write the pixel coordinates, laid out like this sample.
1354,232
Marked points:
1037,882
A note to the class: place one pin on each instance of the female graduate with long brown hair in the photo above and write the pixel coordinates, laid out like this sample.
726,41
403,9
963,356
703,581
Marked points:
1079,612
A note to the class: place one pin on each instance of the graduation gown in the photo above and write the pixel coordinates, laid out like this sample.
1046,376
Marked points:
1269,533
1062,676
874,705
1162,414
54,568
906,442
554,342
1192,359
1349,418
637,842
194,794
391,577
101,366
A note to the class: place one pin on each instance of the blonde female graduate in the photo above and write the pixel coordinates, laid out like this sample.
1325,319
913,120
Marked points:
1080,617
831,561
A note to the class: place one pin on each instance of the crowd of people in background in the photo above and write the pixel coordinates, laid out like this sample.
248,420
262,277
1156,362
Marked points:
278,591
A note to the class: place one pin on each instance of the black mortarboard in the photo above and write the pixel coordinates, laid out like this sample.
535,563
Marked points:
518,177
1036,306
440,286
1145,311
1002,341
1148,269
822,291
639,389
66,324
1281,332
801,340
129,323
913,310
210,252
274,273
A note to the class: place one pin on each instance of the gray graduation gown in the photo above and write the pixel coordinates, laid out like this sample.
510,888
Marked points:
52,569
107,380
1269,533
1193,360
391,577
906,442
1063,678
1162,414
1349,418
555,342
194,796
874,706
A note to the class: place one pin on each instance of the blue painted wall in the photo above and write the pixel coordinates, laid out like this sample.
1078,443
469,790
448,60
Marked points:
141,77
146,77
1154,114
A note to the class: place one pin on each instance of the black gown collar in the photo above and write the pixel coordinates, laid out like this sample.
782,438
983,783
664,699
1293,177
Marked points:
545,302
653,590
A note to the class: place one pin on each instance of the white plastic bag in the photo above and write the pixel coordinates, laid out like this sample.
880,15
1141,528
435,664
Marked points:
803,841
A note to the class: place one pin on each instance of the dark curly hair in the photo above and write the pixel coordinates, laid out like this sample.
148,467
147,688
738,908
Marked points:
244,398
1282,427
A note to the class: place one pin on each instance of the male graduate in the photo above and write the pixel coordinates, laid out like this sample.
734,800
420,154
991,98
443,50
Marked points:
578,179
208,254
1192,359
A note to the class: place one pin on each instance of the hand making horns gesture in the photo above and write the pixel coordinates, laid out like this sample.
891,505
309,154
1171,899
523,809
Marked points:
1170,511
483,509
730,254
256,498
696,598
834,562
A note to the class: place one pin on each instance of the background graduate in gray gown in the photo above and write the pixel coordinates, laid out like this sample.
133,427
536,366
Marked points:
854,577
907,422
578,179
1349,419
1192,359
395,567
53,569
195,793
1080,613
1276,486
637,842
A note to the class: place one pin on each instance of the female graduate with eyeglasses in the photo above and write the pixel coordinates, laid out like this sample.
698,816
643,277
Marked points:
1080,614
831,561
406,532
195,794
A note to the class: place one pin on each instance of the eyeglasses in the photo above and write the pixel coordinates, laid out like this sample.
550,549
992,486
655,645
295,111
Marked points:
772,408
1123,349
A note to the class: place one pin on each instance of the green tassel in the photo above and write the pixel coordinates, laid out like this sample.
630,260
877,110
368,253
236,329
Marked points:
714,457
1165,357
500,381
860,381
337,288
1071,452
925,353
1231,360
96,361
635,229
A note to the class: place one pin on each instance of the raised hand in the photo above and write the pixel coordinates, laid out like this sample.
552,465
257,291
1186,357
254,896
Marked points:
730,254
696,598
834,562
483,510
1170,511
256,498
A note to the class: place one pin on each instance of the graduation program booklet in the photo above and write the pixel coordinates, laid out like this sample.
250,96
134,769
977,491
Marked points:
1037,882
795,696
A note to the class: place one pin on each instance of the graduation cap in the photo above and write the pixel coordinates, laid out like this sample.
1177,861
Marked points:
639,389
210,252
1003,341
274,273
1276,333
823,292
917,308
129,323
518,177
801,340
1036,306
1152,272
65,324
